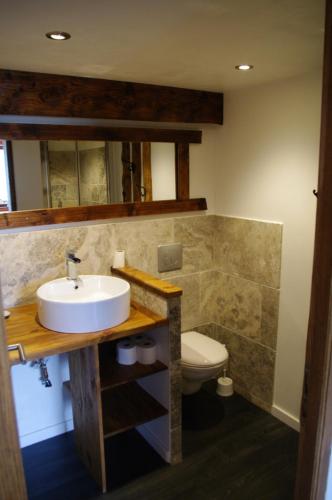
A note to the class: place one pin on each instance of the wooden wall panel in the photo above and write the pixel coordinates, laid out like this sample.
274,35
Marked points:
316,412
147,174
11,175
40,94
12,480
126,173
137,170
87,411
182,171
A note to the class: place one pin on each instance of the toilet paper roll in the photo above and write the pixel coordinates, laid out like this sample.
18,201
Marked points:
147,351
126,352
119,259
138,339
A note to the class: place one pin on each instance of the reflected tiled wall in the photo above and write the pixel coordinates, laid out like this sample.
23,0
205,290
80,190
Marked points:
63,178
230,278
93,186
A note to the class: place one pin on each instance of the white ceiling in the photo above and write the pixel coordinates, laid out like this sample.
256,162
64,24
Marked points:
183,43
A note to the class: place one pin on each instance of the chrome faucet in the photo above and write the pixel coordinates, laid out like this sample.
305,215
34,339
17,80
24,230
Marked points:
71,265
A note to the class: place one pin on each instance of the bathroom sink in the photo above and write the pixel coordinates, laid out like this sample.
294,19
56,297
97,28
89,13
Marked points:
90,304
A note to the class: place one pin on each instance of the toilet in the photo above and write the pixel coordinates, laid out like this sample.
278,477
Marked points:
202,358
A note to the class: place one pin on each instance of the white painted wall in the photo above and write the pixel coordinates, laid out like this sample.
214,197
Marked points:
204,163
4,195
42,412
267,154
163,171
28,175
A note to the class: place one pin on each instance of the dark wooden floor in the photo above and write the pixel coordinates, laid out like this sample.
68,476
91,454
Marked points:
232,451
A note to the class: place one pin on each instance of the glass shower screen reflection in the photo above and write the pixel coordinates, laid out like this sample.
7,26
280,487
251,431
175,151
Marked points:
78,173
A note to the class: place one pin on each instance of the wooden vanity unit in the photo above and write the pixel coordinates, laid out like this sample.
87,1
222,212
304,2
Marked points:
109,398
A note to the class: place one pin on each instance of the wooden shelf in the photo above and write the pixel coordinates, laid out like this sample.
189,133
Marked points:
147,281
128,406
112,374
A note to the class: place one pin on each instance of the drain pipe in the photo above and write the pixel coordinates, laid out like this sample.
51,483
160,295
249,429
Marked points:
41,364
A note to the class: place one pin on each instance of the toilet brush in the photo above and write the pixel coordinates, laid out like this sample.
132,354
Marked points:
225,385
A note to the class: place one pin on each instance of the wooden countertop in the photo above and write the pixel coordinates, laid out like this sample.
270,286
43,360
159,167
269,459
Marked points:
24,328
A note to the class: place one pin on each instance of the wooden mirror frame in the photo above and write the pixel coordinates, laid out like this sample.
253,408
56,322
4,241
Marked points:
181,138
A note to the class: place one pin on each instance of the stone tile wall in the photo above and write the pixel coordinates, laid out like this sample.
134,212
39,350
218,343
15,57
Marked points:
239,302
248,259
230,277
231,281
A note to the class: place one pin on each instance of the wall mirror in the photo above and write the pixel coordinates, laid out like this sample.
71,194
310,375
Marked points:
60,174
54,173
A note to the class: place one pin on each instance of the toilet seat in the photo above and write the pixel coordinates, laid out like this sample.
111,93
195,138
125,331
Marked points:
200,351
199,367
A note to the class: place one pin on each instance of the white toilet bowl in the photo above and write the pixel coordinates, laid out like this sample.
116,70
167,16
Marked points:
202,358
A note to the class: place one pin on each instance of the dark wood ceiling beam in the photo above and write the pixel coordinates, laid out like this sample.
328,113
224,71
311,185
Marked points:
41,132
41,94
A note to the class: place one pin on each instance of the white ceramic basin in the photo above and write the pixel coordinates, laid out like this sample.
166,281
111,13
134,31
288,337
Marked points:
99,302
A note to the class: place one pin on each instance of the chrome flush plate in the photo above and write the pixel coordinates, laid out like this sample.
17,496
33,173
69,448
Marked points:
169,257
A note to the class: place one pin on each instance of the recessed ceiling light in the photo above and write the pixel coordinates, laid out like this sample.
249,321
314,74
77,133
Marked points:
244,67
58,35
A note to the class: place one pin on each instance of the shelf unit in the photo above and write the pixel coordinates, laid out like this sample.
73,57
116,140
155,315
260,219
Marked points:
124,403
108,400
128,406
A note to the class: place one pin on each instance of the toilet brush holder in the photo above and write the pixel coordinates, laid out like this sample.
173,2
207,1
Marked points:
225,386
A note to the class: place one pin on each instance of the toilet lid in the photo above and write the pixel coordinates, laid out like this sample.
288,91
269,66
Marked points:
200,350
